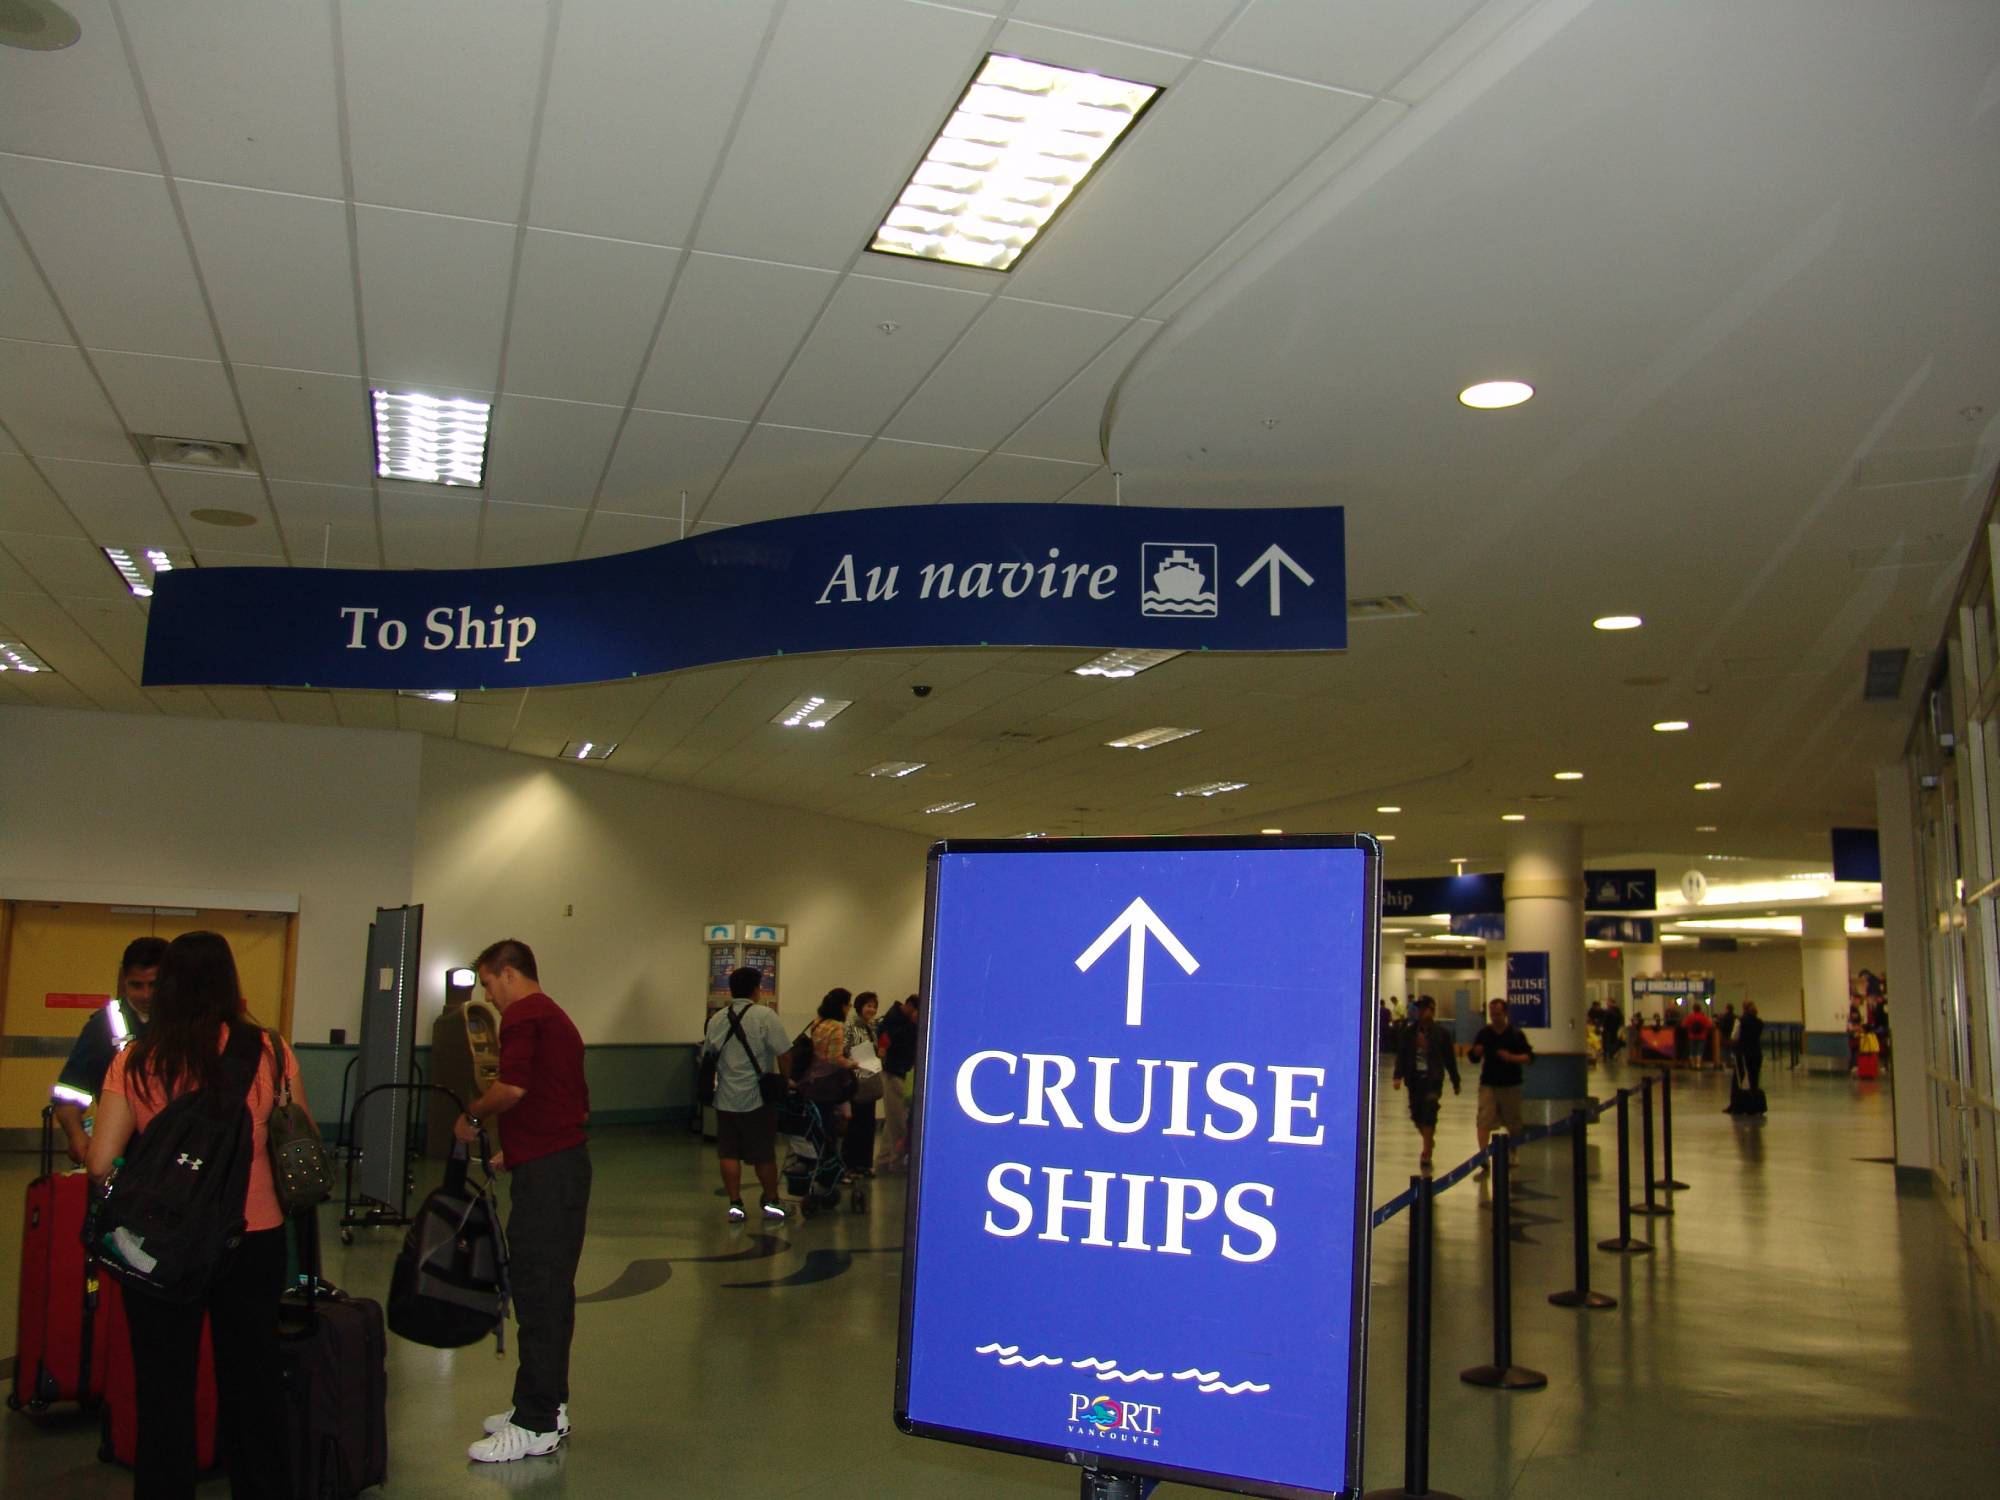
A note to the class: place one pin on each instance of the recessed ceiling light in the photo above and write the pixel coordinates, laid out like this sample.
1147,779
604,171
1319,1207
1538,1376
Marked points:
1123,663
1616,622
1390,809
1270,830
1569,776
1385,838
15,657
1211,788
588,749
810,712
1670,726
1495,395
1705,828
950,807
431,439
1150,739
438,695
141,566
1022,139
1708,786
1513,817
896,768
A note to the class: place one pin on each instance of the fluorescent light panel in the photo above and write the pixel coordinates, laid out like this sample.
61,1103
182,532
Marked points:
951,807
431,439
15,657
140,567
896,768
810,712
1211,789
1149,739
1124,663
589,749
1022,139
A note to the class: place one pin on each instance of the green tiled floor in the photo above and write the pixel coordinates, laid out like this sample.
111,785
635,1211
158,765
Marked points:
1803,1329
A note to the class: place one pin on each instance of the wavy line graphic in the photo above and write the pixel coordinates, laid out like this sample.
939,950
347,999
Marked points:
998,1349
1187,1374
1031,1361
1212,1386
1210,1382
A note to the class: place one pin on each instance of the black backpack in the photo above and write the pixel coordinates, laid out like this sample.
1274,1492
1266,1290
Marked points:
449,1288
173,1211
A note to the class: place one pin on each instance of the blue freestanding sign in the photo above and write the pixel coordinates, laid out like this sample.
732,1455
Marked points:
1138,1217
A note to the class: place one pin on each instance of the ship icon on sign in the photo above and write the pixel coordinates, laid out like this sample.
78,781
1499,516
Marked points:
1180,580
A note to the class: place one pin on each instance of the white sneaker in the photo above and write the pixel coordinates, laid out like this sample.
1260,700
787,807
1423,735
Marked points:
500,1419
773,1209
512,1442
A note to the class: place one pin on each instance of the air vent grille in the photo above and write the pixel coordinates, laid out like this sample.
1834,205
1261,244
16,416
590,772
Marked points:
1383,607
1884,680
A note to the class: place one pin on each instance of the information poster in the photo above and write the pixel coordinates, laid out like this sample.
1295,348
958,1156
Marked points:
1528,988
1138,1230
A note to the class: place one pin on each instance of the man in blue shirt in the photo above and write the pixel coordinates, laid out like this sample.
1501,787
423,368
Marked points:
104,1035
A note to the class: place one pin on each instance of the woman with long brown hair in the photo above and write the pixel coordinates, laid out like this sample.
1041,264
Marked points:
197,1008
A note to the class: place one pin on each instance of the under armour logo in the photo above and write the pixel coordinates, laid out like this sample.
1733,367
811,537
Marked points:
192,1163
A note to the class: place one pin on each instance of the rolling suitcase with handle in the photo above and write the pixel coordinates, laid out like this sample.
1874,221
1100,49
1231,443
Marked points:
58,1341
333,1351
121,1402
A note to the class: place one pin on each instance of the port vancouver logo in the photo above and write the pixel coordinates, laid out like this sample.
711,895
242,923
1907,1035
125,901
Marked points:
1133,1424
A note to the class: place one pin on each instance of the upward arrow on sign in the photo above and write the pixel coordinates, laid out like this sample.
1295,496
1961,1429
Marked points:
1274,557
1138,919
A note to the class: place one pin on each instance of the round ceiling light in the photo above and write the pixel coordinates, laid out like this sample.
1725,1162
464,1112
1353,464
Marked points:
1708,786
1495,395
1390,809
219,517
1513,817
1616,622
1704,828
37,26
1670,726
1569,776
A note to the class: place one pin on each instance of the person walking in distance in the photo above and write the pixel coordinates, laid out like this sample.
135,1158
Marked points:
746,1040
1423,1061
539,1103
109,1030
1749,1062
1501,1049
896,1040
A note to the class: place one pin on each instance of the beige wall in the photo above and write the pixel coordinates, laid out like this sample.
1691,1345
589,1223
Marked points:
493,844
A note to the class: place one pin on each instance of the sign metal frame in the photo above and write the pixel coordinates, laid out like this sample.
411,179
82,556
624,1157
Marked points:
1365,1044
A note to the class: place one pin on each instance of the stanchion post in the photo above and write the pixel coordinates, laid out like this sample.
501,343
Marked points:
1653,1205
1668,1184
1503,1374
1580,1295
1625,1244
1417,1359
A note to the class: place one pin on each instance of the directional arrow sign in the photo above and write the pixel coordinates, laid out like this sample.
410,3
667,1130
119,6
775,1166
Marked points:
1274,557
1138,919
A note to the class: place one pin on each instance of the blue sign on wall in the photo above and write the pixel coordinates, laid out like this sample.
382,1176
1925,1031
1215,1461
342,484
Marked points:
1528,988
1620,929
1457,895
1620,890
1489,926
930,575
1138,1212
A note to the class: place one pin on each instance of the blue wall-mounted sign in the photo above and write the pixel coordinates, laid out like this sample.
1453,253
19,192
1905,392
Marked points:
1455,895
1528,988
1620,929
1490,926
1620,890
1138,1212
911,576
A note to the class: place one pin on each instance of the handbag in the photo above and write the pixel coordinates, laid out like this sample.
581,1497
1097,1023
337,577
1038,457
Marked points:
771,1087
300,1171
828,1083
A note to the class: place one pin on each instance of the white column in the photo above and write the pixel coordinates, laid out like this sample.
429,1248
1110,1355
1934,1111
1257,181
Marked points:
1910,1009
1393,975
1640,959
1544,892
1823,976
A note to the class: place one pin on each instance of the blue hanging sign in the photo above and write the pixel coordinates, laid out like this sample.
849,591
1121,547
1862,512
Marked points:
1490,926
1139,1203
1620,929
1620,890
1454,895
1528,988
922,576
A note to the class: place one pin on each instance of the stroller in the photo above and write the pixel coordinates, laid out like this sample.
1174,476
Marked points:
812,1164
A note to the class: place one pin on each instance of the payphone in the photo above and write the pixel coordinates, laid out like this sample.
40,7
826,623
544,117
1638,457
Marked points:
733,946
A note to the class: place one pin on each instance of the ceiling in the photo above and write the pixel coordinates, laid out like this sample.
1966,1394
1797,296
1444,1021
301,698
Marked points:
1748,255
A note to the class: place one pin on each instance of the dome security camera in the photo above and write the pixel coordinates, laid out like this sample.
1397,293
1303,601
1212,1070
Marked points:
921,689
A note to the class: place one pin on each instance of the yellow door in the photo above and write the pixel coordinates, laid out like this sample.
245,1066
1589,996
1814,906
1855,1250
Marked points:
60,962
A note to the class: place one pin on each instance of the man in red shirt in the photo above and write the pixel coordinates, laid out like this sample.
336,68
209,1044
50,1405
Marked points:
539,1104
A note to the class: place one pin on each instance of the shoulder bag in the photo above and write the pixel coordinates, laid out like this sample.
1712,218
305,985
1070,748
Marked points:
300,1171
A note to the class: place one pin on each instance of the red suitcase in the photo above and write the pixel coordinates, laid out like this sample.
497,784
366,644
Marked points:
1868,1065
58,1340
121,1407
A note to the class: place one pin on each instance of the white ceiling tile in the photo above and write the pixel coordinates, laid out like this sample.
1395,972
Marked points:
548,452
54,406
113,250
171,397
613,531
640,101
1008,478
662,455
278,272
7,444
1177,185
1178,25
440,101
1099,487
781,472
515,535
583,311
810,170
188,491
310,427
66,567
366,710
117,503
79,103
1354,44
14,579
1012,360
851,375
27,311
429,527
433,297
892,473
272,125
1070,425
332,524
28,504
224,557
733,327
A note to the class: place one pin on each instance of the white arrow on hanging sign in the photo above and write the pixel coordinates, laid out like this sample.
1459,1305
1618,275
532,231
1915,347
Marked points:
1138,919
1275,557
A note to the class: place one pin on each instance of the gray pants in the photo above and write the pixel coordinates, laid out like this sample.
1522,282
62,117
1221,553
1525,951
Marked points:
551,1199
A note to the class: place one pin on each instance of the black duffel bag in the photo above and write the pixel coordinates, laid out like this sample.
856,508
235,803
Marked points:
449,1288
